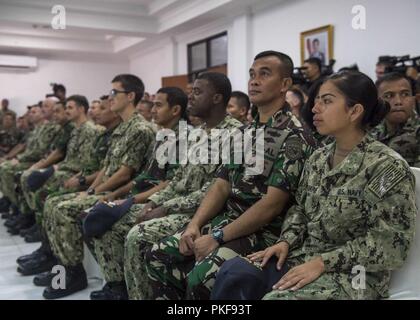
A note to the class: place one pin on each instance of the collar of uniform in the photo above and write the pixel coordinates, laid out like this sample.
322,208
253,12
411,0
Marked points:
284,111
124,125
411,123
351,164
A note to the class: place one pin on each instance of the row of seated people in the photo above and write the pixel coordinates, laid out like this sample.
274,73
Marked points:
166,217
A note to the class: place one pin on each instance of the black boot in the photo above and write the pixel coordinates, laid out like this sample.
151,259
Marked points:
23,222
34,236
38,264
44,279
111,291
76,280
24,232
44,249
4,205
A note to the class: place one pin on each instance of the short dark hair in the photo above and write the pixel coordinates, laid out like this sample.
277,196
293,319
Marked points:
315,40
131,83
104,97
10,114
219,82
175,96
357,88
315,61
242,98
148,103
392,77
80,101
59,87
298,93
287,65
60,103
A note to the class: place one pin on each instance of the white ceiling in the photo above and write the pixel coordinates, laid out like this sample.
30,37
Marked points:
103,28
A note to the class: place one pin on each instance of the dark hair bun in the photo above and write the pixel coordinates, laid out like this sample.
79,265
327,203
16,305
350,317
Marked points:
379,112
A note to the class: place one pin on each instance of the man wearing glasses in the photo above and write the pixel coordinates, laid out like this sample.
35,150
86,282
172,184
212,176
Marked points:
130,148
401,128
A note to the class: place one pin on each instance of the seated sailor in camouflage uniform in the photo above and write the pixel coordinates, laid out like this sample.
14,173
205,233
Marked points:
355,214
401,128
130,148
243,209
168,110
41,260
175,205
38,144
75,147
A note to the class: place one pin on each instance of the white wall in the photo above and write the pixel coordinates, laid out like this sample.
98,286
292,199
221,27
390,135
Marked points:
80,77
153,64
392,29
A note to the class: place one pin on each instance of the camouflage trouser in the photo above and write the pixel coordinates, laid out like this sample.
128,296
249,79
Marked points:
9,183
109,249
240,279
35,200
140,239
325,287
62,224
174,276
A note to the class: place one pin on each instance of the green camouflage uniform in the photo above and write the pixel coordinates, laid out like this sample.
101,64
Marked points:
181,198
405,139
131,145
77,150
109,249
174,276
361,213
38,144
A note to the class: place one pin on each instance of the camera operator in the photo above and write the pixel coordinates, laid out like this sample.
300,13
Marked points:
312,70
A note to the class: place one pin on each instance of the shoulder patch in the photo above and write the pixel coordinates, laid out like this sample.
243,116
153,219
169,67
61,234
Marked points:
387,179
293,148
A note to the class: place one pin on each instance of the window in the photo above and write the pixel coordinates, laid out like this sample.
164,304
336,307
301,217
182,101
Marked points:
206,54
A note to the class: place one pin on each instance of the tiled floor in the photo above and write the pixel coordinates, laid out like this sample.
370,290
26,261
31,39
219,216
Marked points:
14,286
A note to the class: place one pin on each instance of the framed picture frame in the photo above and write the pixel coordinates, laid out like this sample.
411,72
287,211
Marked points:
317,43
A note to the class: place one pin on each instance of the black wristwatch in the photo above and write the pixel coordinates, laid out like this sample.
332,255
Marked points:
217,235
90,191
82,181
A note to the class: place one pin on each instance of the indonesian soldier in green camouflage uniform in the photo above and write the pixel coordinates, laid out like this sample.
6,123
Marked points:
130,148
37,145
243,210
401,128
355,213
169,108
182,197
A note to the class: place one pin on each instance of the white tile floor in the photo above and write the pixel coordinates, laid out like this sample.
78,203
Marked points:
14,286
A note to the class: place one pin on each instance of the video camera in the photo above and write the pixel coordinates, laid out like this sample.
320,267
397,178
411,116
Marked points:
299,78
400,64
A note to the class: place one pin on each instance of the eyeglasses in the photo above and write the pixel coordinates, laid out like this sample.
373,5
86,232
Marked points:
114,92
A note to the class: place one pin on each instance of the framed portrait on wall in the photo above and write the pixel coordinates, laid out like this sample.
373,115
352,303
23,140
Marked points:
317,43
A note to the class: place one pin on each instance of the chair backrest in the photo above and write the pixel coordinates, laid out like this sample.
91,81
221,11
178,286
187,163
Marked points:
405,282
